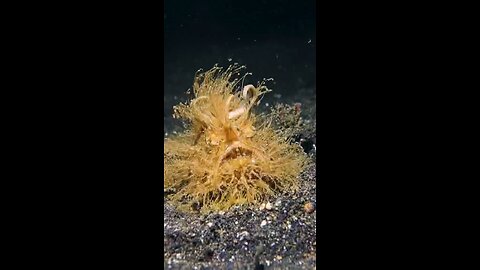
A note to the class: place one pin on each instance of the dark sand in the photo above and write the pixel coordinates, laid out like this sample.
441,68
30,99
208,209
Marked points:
283,237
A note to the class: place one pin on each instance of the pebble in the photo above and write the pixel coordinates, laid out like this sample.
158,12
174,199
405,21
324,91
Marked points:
243,235
269,206
263,223
262,206
259,250
309,207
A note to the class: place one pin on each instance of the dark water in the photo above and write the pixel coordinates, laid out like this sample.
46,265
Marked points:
274,39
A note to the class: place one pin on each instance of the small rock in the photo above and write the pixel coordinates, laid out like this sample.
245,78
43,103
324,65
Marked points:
263,223
269,206
309,207
262,206
208,254
259,250
243,235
